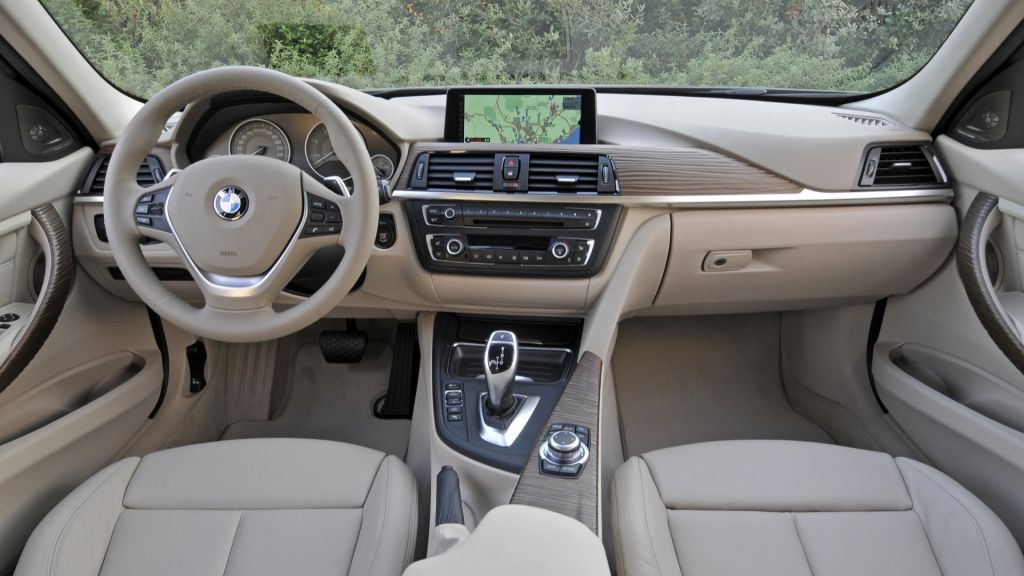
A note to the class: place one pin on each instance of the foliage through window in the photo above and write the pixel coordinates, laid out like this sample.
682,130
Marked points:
840,45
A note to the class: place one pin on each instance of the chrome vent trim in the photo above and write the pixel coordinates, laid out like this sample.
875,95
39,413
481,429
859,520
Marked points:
901,165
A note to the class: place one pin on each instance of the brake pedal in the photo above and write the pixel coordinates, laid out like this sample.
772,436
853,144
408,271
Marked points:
343,347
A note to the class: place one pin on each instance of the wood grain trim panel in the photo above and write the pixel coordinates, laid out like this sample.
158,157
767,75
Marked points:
649,171
579,404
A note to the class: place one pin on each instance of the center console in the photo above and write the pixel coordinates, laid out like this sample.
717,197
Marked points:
513,239
496,384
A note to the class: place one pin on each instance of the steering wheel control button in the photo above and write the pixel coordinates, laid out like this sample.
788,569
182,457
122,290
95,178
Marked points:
230,203
323,217
565,451
149,212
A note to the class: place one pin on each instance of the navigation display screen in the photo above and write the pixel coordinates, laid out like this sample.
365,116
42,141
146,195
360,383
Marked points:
520,116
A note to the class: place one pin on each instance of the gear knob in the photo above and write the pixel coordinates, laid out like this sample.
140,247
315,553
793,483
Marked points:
501,358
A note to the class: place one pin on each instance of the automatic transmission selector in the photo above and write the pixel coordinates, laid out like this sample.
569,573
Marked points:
501,358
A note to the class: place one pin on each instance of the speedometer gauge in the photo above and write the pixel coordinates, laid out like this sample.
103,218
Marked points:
260,138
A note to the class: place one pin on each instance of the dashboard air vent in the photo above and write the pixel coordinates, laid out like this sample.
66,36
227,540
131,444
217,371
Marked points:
863,120
460,172
900,166
572,174
150,172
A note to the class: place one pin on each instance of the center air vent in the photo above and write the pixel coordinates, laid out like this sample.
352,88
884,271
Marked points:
460,172
901,166
514,172
150,172
569,174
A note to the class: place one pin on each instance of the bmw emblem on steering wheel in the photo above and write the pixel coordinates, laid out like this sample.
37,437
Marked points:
230,203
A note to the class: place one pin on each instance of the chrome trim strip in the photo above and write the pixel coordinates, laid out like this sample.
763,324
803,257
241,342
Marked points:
507,437
806,197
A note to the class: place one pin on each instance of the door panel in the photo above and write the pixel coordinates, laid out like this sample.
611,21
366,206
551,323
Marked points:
92,383
940,374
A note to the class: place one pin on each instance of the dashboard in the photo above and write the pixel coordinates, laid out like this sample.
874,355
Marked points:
680,204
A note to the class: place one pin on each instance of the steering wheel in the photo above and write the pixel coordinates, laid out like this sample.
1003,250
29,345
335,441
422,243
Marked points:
242,225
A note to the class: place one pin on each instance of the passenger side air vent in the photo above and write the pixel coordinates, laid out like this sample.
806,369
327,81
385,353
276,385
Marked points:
901,166
150,172
460,172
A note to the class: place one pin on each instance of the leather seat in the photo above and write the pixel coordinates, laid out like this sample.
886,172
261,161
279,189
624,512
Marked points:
800,509
252,507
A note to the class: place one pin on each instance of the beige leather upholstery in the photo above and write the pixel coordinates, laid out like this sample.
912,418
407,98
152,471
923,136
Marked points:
268,506
515,540
769,507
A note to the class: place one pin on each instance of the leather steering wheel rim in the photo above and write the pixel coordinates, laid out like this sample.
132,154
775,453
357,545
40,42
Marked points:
224,321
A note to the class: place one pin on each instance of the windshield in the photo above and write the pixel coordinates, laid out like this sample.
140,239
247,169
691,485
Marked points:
834,45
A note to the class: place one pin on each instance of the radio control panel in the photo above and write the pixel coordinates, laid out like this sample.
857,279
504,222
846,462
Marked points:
514,239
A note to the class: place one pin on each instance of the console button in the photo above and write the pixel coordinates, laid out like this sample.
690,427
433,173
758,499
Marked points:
504,257
510,168
549,468
480,255
532,257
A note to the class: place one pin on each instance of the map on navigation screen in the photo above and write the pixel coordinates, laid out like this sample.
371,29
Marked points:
522,118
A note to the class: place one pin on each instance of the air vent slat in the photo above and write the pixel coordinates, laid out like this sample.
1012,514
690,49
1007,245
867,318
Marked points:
563,174
148,174
460,172
900,165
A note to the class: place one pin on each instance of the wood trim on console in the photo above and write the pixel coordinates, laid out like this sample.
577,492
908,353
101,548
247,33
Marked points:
647,171
576,498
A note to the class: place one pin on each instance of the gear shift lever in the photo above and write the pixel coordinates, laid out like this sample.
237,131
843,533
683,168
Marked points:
501,358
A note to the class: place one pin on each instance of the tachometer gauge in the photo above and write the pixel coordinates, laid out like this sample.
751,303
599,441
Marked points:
320,154
383,166
260,138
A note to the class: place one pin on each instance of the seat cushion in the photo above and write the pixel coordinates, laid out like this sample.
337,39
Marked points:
267,506
770,507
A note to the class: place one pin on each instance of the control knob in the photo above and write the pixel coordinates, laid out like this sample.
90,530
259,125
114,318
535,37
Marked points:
560,250
455,247
564,447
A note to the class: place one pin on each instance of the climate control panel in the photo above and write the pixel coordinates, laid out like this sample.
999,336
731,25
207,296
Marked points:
512,238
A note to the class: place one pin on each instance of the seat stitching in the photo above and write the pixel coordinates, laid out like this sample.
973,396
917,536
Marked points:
800,540
51,557
617,529
920,520
977,525
647,523
234,536
410,539
384,514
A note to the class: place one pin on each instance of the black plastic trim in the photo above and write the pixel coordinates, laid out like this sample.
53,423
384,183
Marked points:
1008,53
603,236
874,330
165,362
461,436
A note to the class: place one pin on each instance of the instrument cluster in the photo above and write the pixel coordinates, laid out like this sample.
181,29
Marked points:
295,137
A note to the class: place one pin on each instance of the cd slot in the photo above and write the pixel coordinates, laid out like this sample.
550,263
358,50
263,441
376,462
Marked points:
514,223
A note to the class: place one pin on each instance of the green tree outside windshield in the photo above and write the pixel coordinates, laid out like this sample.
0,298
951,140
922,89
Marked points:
847,45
